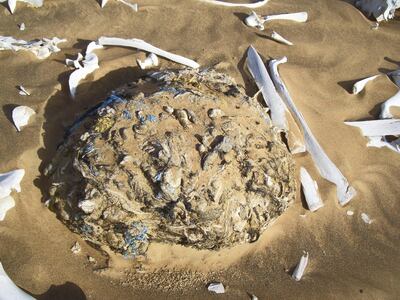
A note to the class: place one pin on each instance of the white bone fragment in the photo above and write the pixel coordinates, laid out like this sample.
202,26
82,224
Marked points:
360,85
300,268
375,128
277,37
23,91
142,45
310,189
350,212
42,48
229,4
11,181
300,17
6,204
93,46
13,3
149,62
21,115
254,297
366,218
325,166
22,26
134,6
76,248
381,10
75,62
385,107
254,20
103,3
216,287
8,289
90,64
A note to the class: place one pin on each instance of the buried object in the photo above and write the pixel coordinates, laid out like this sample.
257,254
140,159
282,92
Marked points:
182,157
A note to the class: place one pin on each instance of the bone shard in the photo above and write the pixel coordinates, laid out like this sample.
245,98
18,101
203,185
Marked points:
325,166
6,204
254,20
381,10
310,189
42,48
301,267
360,85
300,17
11,181
13,3
142,45
89,64
378,127
256,4
216,287
21,116
8,289
280,39
385,107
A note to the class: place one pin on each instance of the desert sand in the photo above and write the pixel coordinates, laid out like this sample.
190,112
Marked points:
348,258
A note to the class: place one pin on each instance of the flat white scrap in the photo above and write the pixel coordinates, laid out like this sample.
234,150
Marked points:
11,181
217,288
142,45
310,189
325,166
8,289
23,91
280,39
21,115
89,64
300,268
229,4
385,107
360,85
366,218
42,48
13,3
381,10
6,204
300,17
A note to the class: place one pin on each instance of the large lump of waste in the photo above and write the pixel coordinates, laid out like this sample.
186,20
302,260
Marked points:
180,157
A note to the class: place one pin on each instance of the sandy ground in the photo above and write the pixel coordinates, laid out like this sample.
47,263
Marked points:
348,259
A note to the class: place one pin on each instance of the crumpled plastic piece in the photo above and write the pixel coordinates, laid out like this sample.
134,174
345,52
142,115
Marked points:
42,48
8,289
13,3
381,10
11,181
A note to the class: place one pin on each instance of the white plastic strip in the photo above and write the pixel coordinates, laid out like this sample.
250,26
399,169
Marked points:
325,166
229,4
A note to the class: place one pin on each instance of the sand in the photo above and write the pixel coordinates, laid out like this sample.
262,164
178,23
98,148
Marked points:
348,258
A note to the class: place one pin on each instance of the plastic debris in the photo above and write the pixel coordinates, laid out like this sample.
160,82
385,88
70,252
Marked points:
300,17
42,48
381,10
325,166
256,4
142,45
216,287
149,62
11,181
76,248
310,189
277,37
8,289
6,204
366,218
21,116
13,3
360,85
23,91
84,67
385,107
301,267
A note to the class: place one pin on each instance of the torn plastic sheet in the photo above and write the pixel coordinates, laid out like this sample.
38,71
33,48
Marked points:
325,166
280,39
229,4
13,3
42,48
385,107
142,45
6,204
21,115
11,181
381,10
89,64
8,289
360,85
310,190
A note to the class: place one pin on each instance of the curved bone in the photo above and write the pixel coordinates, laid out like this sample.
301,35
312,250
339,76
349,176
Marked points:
310,189
11,181
325,166
90,64
6,204
277,37
142,45
21,115
301,267
385,107
228,4
296,17
8,289
360,85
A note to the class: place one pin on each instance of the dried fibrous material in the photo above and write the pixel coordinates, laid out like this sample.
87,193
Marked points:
381,10
301,267
325,166
11,181
8,289
142,45
310,189
192,162
6,204
280,39
360,85
216,287
12,4
256,4
42,48
21,116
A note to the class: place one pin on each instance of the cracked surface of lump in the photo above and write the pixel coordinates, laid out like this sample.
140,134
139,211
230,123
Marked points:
181,157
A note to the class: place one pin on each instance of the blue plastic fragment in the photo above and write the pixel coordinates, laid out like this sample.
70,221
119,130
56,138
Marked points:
151,118
126,114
